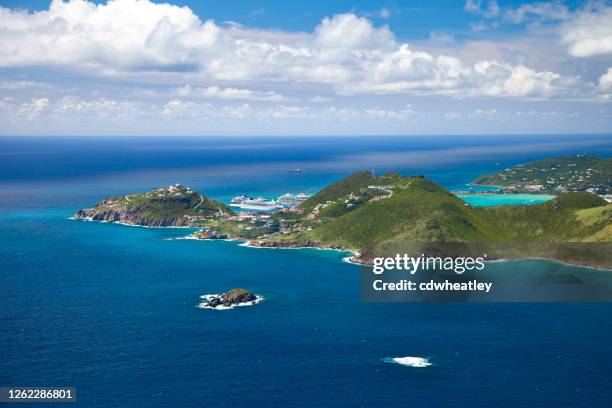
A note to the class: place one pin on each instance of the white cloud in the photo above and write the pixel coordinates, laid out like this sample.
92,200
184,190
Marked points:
491,10
589,32
346,54
195,110
497,115
215,92
605,81
98,107
31,110
186,109
378,113
285,112
524,13
119,34
539,11
22,84
586,31
605,84
44,107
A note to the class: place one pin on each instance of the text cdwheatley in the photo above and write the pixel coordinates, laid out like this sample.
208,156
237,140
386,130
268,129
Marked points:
408,285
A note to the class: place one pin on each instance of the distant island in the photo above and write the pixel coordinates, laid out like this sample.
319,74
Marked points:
555,176
374,216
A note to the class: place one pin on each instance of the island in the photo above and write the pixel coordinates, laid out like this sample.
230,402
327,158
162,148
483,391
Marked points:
230,299
553,176
382,215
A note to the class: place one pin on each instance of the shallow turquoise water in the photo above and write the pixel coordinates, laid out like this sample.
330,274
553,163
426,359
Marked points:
487,200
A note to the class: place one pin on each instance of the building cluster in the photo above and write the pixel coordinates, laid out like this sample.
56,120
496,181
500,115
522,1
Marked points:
567,178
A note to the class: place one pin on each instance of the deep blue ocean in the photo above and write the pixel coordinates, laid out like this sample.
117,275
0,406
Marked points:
111,309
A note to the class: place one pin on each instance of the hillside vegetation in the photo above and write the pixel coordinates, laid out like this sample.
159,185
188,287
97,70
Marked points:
171,206
354,214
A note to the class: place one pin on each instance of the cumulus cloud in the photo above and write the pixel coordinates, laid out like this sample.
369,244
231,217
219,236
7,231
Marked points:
605,82
118,34
589,32
33,109
347,52
228,93
586,30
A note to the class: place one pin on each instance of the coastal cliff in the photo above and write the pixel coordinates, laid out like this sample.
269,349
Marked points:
131,216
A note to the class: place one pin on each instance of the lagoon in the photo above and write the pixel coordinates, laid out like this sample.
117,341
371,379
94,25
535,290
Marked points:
487,200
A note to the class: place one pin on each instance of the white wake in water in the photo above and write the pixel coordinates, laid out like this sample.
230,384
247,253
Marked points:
417,362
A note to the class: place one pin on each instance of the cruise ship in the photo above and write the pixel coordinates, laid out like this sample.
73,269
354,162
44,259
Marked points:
285,201
290,200
259,203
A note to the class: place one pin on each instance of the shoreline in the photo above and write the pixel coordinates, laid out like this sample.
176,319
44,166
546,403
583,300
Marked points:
348,259
125,224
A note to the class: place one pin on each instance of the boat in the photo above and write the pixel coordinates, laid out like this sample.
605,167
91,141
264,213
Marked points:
295,171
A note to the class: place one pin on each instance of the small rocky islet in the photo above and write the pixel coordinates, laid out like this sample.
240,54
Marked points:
231,298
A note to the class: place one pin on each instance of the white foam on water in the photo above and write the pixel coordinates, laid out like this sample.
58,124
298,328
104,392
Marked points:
187,237
418,362
209,297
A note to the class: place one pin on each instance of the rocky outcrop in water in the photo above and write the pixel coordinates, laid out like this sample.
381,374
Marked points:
233,297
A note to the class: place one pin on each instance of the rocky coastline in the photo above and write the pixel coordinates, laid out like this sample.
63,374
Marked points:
129,216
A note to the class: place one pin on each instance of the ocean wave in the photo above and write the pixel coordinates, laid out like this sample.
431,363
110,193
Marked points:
186,237
418,362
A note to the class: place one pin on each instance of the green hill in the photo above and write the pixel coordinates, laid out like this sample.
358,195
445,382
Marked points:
171,206
355,214
338,189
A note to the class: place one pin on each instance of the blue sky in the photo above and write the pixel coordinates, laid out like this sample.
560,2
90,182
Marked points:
275,67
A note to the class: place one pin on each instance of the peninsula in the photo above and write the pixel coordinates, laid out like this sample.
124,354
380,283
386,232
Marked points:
173,206
554,176
378,216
